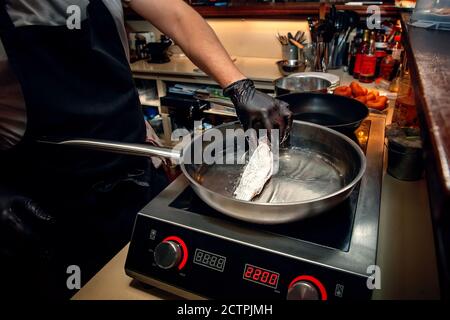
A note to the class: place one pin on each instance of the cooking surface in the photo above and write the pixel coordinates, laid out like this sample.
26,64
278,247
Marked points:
331,229
303,175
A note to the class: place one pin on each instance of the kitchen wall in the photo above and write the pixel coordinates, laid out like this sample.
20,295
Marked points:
244,38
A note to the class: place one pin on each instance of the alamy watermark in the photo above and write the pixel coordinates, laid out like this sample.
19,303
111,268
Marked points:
73,21
73,281
373,20
374,280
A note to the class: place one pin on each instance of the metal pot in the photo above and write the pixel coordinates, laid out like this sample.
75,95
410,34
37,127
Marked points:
301,84
405,163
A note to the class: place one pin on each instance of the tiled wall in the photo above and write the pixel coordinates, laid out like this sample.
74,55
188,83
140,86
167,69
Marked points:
247,38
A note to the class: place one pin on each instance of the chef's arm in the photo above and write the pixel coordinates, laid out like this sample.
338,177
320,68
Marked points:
183,24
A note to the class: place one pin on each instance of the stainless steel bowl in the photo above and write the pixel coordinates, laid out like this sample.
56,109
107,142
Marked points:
288,67
301,84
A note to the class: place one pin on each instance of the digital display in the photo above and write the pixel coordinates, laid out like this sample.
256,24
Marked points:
210,260
261,276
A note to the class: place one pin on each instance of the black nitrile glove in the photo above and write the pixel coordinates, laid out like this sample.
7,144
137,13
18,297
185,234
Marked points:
23,223
258,110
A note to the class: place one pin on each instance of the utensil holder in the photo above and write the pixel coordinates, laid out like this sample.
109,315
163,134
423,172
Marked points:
289,52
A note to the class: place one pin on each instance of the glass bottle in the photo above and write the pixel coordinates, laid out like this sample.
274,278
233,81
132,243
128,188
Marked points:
397,51
360,52
380,50
352,58
405,113
387,67
368,62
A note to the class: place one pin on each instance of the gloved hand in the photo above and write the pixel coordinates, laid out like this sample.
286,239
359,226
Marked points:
258,110
22,223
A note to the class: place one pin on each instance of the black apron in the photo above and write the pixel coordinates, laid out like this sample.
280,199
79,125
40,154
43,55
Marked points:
76,84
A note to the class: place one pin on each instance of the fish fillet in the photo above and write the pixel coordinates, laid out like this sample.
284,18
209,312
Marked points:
257,172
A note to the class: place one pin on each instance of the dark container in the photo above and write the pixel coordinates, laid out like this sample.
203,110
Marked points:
405,163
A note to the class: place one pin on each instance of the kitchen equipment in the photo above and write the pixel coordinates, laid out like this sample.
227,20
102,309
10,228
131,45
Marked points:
288,67
326,168
289,52
158,50
330,37
334,79
182,245
301,84
405,163
336,112
405,158
296,43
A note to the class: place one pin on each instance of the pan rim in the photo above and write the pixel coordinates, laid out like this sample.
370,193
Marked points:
344,189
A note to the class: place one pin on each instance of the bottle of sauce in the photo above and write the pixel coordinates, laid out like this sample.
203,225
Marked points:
380,50
360,52
405,113
351,58
397,51
387,67
368,62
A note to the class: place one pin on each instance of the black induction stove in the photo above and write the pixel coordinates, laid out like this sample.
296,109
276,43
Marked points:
322,257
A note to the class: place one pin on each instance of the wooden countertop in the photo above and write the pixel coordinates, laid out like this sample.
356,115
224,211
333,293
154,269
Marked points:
111,283
429,54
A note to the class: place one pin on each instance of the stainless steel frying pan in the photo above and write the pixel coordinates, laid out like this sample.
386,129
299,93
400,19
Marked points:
317,171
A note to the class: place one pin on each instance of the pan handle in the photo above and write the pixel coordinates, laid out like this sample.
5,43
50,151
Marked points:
134,149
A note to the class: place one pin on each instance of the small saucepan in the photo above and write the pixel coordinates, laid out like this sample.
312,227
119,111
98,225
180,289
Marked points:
301,84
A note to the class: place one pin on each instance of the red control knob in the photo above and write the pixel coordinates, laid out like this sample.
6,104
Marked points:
170,253
306,288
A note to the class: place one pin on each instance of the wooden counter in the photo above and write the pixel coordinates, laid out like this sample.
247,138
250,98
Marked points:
428,54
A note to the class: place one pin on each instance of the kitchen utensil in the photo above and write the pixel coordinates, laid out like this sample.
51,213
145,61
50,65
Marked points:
297,44
158,51
288,67
405,163
301,84
336,112
334,79
289,52
319,170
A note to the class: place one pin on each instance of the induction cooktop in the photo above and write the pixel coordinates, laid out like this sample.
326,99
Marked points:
181,244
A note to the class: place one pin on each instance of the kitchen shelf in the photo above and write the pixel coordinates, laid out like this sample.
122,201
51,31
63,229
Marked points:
150,102
274,10
220,112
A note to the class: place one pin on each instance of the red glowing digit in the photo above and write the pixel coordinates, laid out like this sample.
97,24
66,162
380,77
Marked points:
248,272
265,276
257,274
273,279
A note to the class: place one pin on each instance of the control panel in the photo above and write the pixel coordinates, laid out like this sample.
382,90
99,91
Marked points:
216,267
